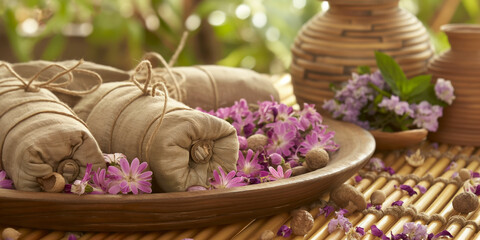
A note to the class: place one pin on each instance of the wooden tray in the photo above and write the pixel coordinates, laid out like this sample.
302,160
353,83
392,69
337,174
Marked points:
153,212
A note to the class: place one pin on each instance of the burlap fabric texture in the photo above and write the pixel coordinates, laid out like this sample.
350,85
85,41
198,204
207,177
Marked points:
181,145
39,134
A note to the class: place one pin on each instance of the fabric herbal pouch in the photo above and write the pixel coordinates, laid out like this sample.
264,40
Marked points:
82,82
210,86
182,146
39,134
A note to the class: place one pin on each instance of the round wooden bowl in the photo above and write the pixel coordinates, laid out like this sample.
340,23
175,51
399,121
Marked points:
398,140
161,211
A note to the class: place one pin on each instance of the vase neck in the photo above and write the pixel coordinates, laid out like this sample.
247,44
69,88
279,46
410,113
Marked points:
363,7
463,37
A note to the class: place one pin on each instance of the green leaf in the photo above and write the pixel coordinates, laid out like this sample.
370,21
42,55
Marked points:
363,70
417,86
429,96
54,48
391,72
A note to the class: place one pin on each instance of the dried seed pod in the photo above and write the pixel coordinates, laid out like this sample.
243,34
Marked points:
317,158
54,182
299,170
416,159
302,222
10,233
267,235
257,142
378,197
464,174
346,193
465,202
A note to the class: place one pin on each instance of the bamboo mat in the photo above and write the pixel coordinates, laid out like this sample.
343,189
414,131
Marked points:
432,208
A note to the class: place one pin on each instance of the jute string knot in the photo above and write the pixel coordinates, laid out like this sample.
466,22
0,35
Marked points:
177,78
55,83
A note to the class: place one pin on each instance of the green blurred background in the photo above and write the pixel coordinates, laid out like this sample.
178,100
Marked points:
254,34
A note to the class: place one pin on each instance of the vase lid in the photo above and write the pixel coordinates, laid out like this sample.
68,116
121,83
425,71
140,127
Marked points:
465,37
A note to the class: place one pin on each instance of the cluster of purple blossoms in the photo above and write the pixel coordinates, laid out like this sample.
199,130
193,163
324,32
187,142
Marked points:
5,182
411,231
119,177
291,135
367,101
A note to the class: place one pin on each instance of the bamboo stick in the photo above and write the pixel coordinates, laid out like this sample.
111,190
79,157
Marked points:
134,236
230,231
169,235
272,223
151,236
189,233
55,235
477,236
116,236
99,236
207,233
35,234
86,236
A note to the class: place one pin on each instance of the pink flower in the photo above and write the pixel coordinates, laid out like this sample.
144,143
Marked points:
279,174
100,182
113,158
223,180
248,166
321,140
4,181
283,138
79,186
130,178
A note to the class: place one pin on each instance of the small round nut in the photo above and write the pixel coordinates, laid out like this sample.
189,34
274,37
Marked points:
299,170
267,235
378,197
53,182
10,233
302,222
464,174
257,142
346,193
317,158
465,202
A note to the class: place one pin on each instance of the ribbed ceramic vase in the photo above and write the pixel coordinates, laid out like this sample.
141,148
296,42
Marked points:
333,44
460,123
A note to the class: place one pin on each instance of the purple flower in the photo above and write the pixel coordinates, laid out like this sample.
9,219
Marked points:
377,232
282,139
360,231
358,178
4,181
408,189
223,180
394,104
243,142
100,182
444,90
452,165
284,231
248,166
415,231
340,222
475,174
114,158
327,210
72,237
130,178
375,164
276,159
279,174
389,170
472,185
320,139
310,113
397,203
426,115
443,233
421,188
79,186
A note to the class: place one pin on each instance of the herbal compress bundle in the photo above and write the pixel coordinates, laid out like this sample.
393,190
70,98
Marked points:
388,101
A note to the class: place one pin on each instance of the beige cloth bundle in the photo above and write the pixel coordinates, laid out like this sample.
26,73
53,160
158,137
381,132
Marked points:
81,83
211,86
39,134
182,146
